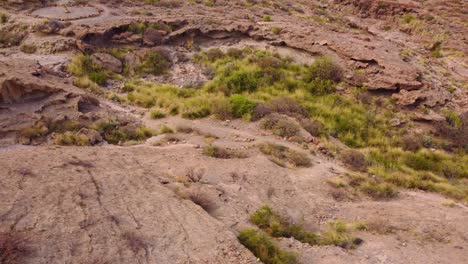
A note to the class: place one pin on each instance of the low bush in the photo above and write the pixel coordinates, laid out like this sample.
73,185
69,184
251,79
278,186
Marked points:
241,106
324,68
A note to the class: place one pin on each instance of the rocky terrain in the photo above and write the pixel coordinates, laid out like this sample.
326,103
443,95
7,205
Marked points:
219,131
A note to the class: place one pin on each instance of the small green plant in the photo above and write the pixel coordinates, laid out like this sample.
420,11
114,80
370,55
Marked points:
266,19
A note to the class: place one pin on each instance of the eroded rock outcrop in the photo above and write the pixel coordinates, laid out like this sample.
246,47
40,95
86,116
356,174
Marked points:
28,93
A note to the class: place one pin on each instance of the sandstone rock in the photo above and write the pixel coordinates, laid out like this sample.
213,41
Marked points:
430,116
107,61
407,98
152,37
51,27
132,61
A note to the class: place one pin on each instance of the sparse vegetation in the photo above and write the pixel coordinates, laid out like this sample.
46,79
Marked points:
264,248
273,224
222,153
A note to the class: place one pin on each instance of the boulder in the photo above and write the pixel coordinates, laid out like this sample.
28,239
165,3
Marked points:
107,61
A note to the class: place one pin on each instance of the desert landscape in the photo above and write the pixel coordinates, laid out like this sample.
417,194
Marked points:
244,131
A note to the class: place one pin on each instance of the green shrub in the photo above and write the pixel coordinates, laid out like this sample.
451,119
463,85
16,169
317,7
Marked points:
241,106
266,18
263,248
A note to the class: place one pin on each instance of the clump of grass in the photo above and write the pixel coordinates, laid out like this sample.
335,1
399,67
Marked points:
336,234
222,153
87,73
282,155
262,246
70,138
157,114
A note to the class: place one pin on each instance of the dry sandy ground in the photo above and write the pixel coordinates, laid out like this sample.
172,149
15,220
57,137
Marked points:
123,204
